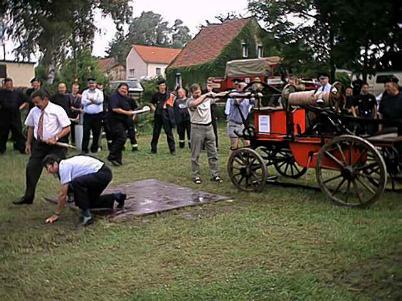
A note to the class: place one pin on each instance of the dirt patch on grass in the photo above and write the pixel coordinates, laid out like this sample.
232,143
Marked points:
379,278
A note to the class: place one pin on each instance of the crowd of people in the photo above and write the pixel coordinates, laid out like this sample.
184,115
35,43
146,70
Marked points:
50,127
357,101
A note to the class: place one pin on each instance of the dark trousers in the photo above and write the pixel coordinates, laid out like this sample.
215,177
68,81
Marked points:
131,133
107,127
72,132
118,131
92,122
34,166
159,122
87,190
11,123
215,127
183,128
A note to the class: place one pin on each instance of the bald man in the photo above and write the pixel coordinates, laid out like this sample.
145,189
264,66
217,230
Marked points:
64,100
61,98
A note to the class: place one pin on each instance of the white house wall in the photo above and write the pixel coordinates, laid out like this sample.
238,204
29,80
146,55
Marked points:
152,69
21,74
134,61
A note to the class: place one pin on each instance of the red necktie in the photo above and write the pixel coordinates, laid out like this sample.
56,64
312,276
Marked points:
39,132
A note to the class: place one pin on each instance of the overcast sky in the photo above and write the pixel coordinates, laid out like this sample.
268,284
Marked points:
192,12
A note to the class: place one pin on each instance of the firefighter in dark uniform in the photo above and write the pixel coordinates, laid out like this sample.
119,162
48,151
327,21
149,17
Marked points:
365,107
162,103
118,115
131,132
11,101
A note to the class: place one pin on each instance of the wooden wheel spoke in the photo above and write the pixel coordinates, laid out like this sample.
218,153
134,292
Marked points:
283,163
335,159
236,174
332,179
239,160
361,177
376,181
351,152
241,179
370,156
339,186
256,167
365,185
356,189
341,152
287,167
246,159
347,192
253,160
367,166
256,176
291,170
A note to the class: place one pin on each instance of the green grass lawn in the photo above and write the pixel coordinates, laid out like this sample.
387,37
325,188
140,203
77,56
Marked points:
281,244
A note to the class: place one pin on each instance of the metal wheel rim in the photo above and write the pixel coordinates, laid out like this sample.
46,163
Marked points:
247,170
360,178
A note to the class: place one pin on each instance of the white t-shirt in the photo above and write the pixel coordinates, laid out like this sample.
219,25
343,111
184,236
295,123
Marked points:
77,166
54,120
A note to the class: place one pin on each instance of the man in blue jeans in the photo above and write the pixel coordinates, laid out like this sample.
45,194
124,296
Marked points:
86,177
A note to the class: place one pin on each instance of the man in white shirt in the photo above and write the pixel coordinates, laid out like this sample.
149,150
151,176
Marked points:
324,88
92,103
86,177
47,123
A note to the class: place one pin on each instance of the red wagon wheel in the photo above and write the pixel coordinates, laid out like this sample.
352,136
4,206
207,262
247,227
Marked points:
247,170
351,171
286,165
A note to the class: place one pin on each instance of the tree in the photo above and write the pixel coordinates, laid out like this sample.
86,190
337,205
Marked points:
149,29
364,36
375,41
80,69
119,47
180,34
303,35
57,28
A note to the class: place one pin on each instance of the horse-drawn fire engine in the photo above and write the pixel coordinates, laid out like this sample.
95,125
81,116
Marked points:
299,135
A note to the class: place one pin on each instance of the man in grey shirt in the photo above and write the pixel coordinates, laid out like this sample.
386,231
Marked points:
202,132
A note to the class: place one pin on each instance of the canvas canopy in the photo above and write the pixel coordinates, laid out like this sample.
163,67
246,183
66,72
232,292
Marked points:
251,67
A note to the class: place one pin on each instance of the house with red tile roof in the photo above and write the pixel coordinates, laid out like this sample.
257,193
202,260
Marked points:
112,69
207,53
149,61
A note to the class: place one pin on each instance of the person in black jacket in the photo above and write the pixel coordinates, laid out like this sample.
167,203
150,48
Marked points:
64,100
131,131
119,114
162,105
11,101
36,85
